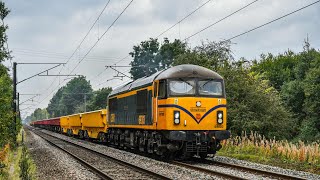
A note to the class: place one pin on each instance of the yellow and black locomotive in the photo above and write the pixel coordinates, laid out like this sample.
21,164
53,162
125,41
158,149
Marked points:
177,111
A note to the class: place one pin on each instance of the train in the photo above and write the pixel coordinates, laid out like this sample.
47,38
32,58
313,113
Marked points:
177,112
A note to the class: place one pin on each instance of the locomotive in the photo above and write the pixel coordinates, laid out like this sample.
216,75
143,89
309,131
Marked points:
177,112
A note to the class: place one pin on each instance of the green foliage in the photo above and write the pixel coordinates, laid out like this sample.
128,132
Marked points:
4,53
37,115
6,115
311,124
296,76
292,94
212,55
25,165
149,57
278,69
253,105
100,99
7,128
71,98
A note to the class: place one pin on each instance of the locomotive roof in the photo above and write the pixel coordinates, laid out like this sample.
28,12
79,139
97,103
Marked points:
180,71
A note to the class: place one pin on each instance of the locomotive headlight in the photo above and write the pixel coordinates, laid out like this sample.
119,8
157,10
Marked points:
220,117
176,117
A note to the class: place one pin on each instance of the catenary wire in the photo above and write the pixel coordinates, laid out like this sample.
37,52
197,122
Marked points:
92,46
76,50
220,20
183,19
274,20
168,29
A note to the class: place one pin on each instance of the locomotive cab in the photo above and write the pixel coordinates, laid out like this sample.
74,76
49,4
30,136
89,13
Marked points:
190,110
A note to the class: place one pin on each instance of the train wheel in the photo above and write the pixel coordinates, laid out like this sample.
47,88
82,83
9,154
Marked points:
150,146
102,138
203,155
80,134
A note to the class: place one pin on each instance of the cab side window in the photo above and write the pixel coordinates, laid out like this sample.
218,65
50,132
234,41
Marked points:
162,89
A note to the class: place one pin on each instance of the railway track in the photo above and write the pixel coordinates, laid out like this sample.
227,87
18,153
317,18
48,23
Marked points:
104,166
255,171
195,165
208,171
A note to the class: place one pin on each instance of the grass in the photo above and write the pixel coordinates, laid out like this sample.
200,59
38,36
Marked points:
256,148
16,162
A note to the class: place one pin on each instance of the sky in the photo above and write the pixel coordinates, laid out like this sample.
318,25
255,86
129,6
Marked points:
51,31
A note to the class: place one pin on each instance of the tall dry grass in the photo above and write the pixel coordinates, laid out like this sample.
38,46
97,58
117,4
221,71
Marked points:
256,144
4,152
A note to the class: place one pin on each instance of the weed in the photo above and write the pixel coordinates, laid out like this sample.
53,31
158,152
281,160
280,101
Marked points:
257,148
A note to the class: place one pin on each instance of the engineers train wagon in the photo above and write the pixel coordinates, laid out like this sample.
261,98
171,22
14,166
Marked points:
52,124
94,124
75,125
64,124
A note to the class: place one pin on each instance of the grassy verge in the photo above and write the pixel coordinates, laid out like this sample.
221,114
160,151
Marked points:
255,148
16,162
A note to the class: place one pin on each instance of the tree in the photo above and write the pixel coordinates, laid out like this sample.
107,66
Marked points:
54,106
99,101
39,114
278,69
149,57
296,76
71,98
4,52
212,55
7,128
311,125
254,105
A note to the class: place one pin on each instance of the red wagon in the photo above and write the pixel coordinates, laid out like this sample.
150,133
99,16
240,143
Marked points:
52,124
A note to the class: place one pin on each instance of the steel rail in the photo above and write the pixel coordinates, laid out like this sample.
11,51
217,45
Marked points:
207,171
132,166
96,171
255,170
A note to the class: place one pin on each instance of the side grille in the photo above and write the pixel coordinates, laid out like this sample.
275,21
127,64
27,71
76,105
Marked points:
192,147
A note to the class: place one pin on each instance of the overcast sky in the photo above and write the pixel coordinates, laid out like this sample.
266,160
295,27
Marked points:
50,31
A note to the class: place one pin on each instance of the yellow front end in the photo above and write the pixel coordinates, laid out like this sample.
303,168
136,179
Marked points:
94,122
196,113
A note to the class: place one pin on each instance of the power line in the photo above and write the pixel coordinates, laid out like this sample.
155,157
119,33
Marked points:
105,32
183,18
78,47
221,20
104,8
168,29
91,47
89,58
274,20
